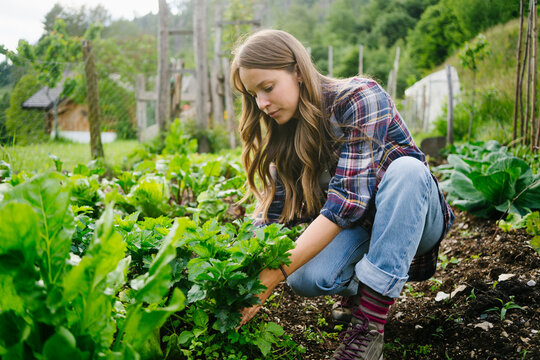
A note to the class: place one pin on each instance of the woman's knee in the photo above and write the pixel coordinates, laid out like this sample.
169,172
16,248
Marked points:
408,171
309,281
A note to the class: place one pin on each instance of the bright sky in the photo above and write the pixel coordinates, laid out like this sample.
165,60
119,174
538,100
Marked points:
23,19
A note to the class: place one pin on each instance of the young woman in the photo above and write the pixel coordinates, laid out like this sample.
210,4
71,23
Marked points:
336,153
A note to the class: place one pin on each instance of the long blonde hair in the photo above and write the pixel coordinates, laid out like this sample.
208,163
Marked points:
299,148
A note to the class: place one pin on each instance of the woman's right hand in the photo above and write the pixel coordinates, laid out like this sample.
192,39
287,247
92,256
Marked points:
269,278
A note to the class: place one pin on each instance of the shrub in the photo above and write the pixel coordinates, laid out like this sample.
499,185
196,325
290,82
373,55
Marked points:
25,126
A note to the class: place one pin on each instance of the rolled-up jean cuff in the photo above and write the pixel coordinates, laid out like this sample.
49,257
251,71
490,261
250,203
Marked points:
379,280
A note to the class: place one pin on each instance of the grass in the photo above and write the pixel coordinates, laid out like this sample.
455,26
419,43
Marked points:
35,158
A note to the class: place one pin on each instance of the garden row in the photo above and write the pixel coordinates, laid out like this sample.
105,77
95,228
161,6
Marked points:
155,262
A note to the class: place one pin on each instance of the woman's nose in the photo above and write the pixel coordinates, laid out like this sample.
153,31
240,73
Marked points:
262,102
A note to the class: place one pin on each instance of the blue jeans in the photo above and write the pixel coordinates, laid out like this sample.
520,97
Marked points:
408,221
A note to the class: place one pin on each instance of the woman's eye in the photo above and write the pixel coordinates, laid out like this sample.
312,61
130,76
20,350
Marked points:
268,89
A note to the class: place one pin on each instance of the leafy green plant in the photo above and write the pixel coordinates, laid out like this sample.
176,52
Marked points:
532,222
150,196
436,284
489,181
504,307
409,289
444,261
57,305
178,141
218,269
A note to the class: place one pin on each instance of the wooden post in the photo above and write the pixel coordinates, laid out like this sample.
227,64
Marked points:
330,61
534,136
229,103
216,73
141,106
389,83
450,112
527,60
92,96
201,69
176,96
163,80
518,70
395,73
361,60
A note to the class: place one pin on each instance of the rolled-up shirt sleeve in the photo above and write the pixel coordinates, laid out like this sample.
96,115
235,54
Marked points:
365,115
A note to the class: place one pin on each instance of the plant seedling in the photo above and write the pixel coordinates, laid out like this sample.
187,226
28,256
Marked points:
505,307
445,261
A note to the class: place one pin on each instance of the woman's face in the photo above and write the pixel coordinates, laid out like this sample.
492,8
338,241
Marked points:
276,91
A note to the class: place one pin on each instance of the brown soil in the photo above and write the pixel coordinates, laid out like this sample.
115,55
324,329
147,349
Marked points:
420,327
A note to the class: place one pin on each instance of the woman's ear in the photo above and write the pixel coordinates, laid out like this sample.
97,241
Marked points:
298,74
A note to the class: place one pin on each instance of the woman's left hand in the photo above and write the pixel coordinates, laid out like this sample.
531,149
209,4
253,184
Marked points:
269,278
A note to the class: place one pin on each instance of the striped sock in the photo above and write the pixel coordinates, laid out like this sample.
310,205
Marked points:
375,307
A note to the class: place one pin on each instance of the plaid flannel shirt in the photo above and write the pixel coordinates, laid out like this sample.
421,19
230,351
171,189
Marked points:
361,109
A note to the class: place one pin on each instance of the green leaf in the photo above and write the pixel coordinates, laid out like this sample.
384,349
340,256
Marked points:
459,164
200,318
212,168
62,345
496,187
143,321
153,285
57,162
531,197
464,188
14,329
185,337
263,345
101,266
19,235
196,293
535,243
50,200
150,196
225,320
274,329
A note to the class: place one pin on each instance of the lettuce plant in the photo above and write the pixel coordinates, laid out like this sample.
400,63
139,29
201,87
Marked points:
488,183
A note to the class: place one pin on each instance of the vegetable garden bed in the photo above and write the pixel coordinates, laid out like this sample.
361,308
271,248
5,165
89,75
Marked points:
155,262
486,273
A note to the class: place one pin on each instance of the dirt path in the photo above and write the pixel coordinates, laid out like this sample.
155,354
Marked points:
480,271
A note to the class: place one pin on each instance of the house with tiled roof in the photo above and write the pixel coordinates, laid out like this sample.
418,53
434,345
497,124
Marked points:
72,117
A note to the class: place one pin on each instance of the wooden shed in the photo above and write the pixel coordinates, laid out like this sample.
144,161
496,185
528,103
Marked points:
72,117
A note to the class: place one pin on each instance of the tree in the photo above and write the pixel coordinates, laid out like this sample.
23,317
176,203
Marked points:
77,20
49,59
5,73
393,26
4,105
435,36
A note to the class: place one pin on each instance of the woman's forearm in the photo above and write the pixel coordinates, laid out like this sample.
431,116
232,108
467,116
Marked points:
315,238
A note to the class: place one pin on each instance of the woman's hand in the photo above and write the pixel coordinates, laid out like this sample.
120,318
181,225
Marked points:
269,278
317,235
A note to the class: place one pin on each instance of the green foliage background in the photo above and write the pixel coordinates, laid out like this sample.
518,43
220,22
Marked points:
427,31
25,126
